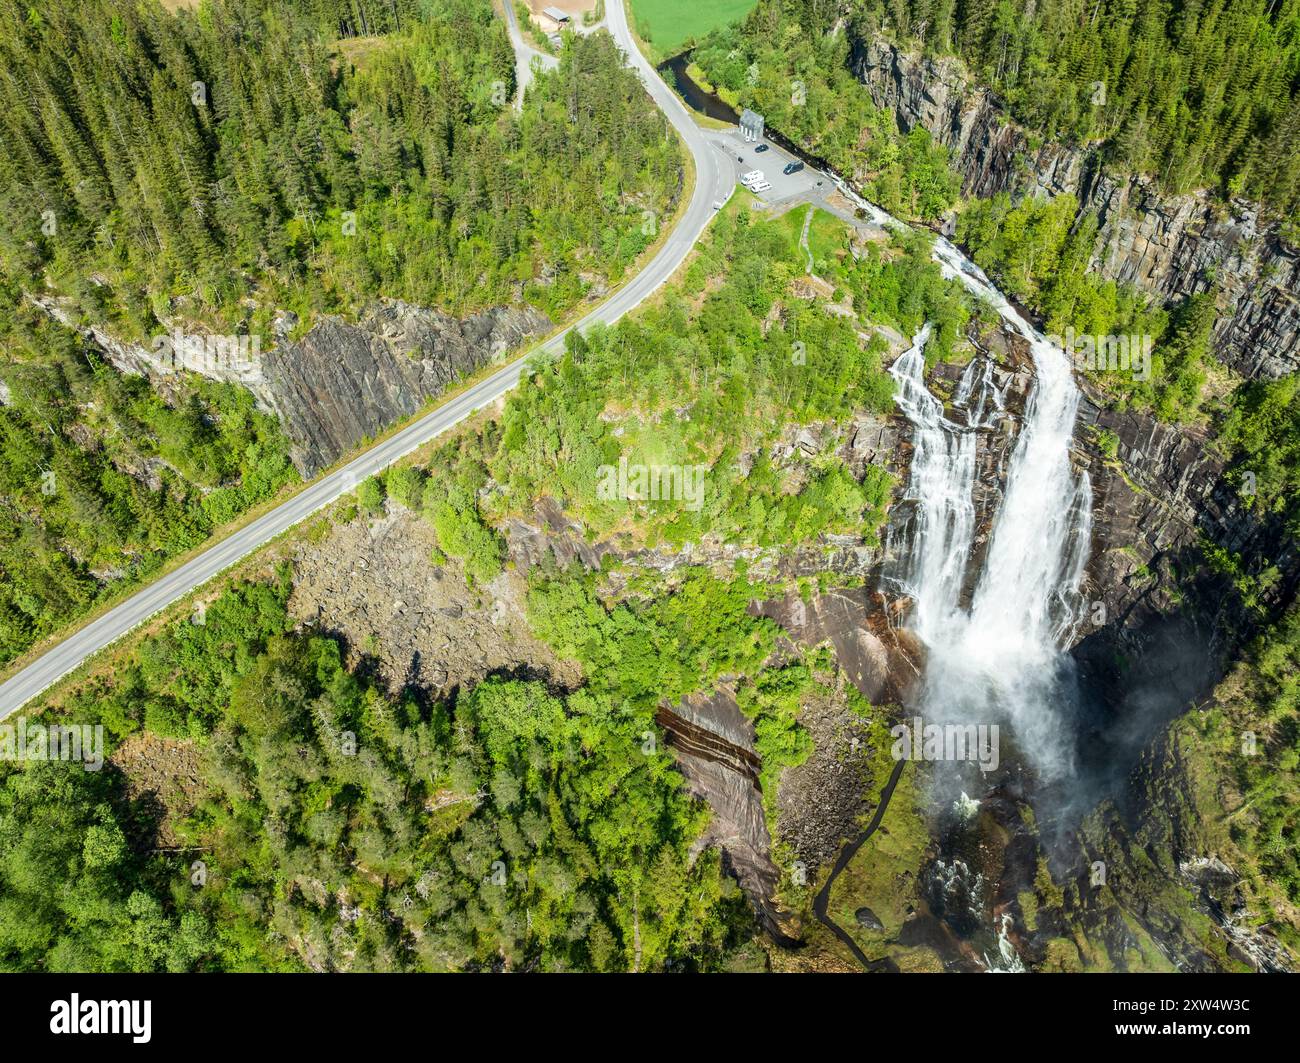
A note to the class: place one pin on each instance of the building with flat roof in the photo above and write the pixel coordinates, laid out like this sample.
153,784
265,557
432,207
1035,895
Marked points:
751,124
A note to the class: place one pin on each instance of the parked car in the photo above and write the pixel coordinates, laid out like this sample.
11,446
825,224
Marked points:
761,147
792,167
751,177
760,186
740,158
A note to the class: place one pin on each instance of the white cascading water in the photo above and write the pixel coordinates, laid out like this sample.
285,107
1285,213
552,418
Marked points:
1000,659
1004,656
940,489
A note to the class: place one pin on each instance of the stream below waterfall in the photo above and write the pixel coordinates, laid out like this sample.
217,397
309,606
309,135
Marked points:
996,621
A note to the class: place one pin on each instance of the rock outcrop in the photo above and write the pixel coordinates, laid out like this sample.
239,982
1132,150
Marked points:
713,742
415,624
342,382
1170,246
1160,625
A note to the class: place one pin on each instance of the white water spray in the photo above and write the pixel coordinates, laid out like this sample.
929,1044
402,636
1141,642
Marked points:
995,652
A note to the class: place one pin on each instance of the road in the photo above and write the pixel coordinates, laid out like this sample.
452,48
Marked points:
525,53
713,179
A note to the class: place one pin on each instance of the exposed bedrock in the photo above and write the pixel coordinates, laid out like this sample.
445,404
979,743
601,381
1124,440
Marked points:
1160,626
341,383
713,742
1167,245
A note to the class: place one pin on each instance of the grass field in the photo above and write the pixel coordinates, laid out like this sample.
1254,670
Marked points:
666,25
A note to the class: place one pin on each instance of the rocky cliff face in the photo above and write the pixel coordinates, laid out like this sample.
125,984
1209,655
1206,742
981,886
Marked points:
713,743
341,382
1170,246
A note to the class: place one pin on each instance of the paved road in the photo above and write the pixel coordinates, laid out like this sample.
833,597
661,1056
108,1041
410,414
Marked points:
713,183
525,53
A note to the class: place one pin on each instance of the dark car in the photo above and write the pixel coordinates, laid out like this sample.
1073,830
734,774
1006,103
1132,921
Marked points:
792,167
740,158
761,147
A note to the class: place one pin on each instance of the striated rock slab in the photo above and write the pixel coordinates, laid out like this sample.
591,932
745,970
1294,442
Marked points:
552,535
1159,625
341,383
882,660
713,742
1154,503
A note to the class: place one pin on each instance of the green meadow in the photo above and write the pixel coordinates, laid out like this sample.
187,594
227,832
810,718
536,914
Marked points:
668,25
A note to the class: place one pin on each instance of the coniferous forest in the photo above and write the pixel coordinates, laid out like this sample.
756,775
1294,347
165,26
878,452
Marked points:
480,712
261,154
1193,92
209,169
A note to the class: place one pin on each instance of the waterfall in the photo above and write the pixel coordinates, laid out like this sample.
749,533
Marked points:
995,637
939,489
996,653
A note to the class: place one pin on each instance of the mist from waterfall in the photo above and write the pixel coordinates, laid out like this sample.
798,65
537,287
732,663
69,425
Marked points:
995,652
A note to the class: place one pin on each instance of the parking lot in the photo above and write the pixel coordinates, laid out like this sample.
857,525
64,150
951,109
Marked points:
772,161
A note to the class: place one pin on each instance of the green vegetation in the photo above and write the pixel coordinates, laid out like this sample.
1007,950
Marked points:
446,493
773,703
209,168
370,495
1195,94
102,479
670,25
513,825
709,375
1260,437
1253,731
340,828
903,287
451,503
885,874
1221,782
1039,254
1262,434
665,647
324,180
799,80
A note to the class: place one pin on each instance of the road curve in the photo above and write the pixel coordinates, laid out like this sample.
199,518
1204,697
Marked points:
712,184
525,53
